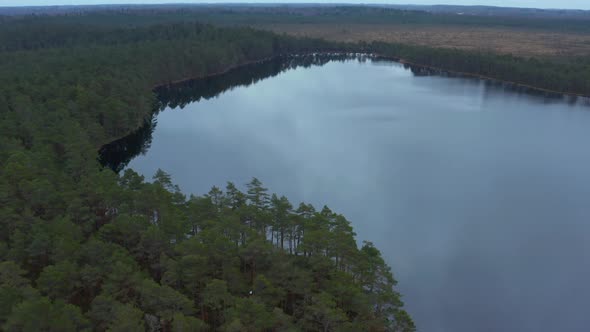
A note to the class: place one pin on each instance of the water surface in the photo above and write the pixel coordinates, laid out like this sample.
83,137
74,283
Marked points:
476,194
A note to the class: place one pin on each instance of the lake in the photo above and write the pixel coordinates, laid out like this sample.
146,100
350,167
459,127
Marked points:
477,193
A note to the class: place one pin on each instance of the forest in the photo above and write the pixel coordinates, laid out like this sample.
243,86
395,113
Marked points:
85,248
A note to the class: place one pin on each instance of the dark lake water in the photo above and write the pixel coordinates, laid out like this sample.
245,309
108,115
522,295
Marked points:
476,194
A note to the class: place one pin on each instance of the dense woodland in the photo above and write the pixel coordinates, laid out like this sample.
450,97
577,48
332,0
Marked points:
85,248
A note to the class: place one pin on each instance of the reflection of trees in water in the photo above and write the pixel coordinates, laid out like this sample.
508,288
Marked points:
180,95
117,154
494,87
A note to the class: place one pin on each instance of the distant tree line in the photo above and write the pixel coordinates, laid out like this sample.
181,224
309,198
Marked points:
230,15
570,75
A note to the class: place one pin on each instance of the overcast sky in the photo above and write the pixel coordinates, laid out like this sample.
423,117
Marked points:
574,4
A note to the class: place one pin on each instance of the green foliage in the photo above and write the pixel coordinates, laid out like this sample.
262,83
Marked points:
14,288
323,314
162,301
108,314
181,323
40,314
249,315
59,281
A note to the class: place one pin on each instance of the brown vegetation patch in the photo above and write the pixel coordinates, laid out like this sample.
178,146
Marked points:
500,40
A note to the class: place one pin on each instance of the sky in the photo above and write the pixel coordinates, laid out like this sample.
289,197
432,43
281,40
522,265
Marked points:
566,4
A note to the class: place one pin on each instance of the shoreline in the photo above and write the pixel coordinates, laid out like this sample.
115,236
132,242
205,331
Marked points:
217,73
335,53
490,78
377,55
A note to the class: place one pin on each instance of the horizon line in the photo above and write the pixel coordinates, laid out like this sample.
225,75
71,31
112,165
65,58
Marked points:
285,3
